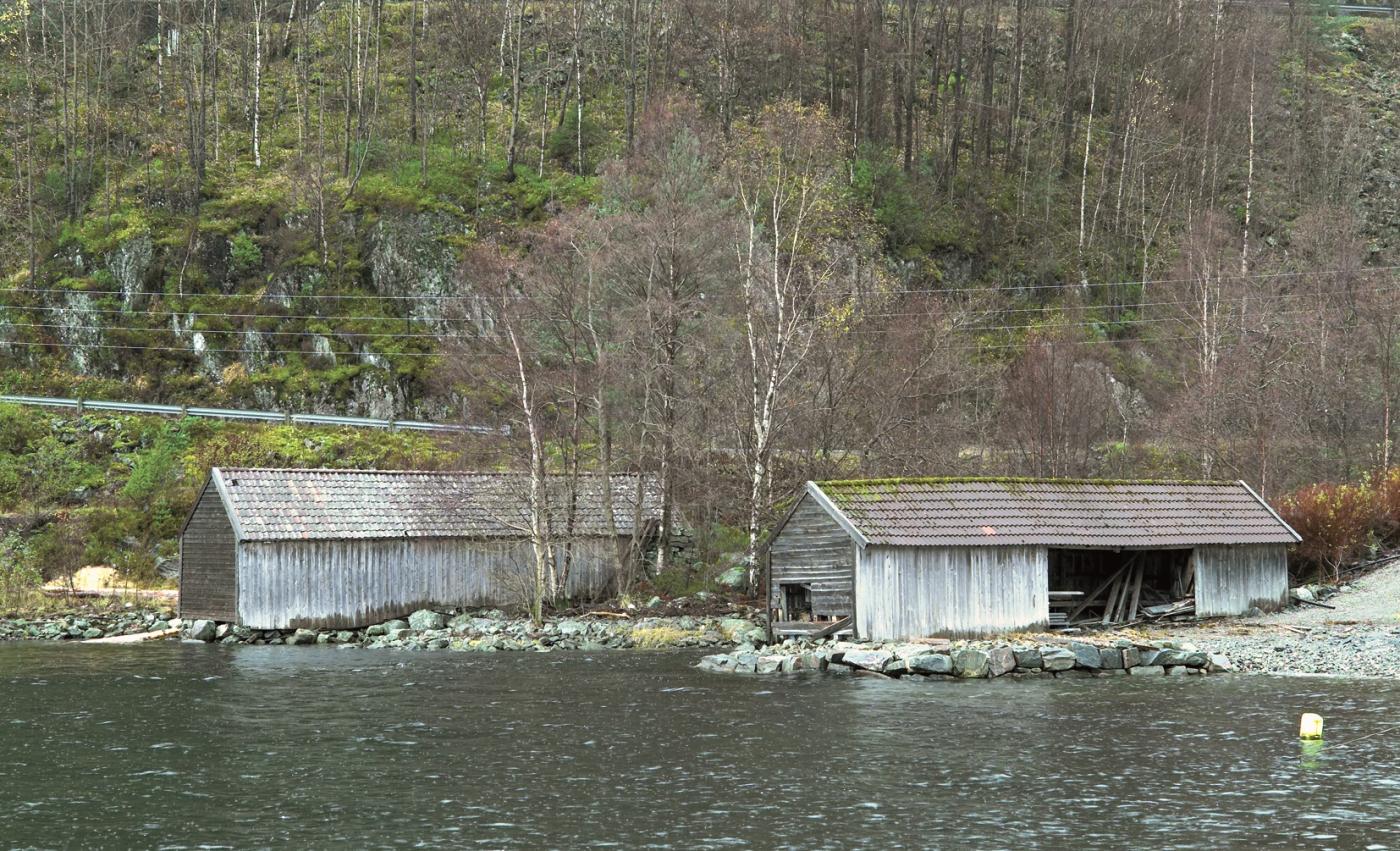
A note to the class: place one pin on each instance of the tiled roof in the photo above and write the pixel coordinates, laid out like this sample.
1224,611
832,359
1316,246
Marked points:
1053,512
338,504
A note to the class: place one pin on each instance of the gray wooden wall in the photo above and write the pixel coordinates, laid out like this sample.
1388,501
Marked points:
1230,580
910,592
340,584
812,549
207,578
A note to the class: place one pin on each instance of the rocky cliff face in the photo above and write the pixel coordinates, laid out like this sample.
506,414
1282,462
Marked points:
235,320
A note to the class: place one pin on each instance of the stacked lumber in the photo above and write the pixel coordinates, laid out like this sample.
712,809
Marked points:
1122,599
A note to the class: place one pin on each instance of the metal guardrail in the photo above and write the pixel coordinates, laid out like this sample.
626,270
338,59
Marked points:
81,405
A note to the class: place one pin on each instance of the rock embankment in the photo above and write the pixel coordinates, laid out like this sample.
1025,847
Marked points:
974,659
492,630
86,625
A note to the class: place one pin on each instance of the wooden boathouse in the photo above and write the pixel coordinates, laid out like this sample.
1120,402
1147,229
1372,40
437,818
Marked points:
905,558
281,549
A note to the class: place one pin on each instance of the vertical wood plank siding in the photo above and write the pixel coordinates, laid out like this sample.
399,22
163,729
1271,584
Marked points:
347,583
909,592
207,576
1230,580
812,549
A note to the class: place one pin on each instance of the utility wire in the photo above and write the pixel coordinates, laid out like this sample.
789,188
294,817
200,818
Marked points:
1265,302
330,317
956,331
990,289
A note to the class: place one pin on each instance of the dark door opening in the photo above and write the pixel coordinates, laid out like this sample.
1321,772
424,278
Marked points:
797,602
1116,586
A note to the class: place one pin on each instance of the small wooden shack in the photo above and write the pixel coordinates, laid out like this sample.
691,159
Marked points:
903,558
280,549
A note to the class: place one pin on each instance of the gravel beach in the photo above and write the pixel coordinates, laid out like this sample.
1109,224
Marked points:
1358,637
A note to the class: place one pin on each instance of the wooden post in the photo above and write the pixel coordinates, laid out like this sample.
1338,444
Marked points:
768,590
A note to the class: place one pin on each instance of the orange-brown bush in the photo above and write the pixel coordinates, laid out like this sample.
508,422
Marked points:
1337,522
1387,489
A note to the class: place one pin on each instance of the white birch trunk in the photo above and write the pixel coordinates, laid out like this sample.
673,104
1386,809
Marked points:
258,7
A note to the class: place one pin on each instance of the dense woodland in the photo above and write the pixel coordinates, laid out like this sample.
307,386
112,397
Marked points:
735,243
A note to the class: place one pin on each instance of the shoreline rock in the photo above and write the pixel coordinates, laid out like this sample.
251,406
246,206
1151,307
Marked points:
87,624
974,659
490,631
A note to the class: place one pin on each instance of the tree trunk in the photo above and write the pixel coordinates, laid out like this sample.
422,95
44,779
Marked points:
259,7
1249,179
413,72
1071,37
512,148
539,542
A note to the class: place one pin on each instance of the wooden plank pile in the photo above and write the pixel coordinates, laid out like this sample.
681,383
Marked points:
1123,599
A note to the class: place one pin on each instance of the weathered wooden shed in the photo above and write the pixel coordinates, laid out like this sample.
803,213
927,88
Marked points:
959,557
279,549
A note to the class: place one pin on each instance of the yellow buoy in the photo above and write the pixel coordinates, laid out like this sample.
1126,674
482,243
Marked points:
1311,726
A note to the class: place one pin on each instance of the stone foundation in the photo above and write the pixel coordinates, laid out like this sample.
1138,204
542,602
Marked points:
974,660
491,630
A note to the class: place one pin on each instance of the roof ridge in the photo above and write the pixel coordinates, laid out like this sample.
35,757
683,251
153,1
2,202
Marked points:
1019,480
401,472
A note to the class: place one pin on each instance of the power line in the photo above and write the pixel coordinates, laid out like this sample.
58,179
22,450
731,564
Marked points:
956,331
132,328
325,317
1237,300
430,297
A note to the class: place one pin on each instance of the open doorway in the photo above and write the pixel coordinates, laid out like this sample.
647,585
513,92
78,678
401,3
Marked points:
1117,586
797,602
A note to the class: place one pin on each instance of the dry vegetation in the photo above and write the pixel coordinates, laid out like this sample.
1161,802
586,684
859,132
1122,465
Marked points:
737,244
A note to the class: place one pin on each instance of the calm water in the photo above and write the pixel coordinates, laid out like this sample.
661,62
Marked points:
175,745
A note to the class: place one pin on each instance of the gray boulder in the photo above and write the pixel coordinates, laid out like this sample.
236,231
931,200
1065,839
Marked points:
201,630
1218,663
425,619
1188,658
567,628
757,635
396,623
1147,671
1110,658
735,629
1000,660
1056,659
1027,657
1086,655
717,663
970,662
302,636
1132,657
869,660
930,663
377,629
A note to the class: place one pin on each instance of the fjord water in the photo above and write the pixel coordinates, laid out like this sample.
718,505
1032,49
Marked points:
175,745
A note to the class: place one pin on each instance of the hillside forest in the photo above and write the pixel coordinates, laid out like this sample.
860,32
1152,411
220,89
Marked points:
735,243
